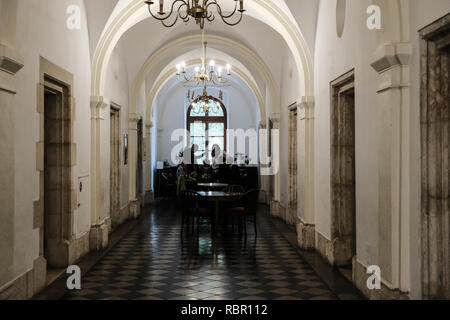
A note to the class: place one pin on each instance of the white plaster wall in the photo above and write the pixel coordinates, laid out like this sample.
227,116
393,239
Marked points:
243,113
41,31
305,13
116,91
333,58
98,12
290,93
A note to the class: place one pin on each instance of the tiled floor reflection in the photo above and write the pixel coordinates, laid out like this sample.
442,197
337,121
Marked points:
153,263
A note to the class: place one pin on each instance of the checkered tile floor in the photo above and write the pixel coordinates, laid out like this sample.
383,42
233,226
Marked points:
153,263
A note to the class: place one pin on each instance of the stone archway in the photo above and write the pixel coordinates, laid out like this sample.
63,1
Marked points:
127,14
165,77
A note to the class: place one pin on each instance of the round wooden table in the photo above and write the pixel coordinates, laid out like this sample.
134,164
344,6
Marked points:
218,197
212,186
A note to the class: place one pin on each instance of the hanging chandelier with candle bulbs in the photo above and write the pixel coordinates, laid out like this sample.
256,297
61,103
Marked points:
199,10
204,103
203,75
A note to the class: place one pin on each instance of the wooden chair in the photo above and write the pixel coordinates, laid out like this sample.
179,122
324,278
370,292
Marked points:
247,207
234,189
169,184
192,208
238,189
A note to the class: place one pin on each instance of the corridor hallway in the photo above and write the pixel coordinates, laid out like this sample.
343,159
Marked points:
332,115
151,262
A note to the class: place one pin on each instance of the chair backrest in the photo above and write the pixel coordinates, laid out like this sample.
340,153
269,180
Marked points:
165,177
251,199
234,189
190,199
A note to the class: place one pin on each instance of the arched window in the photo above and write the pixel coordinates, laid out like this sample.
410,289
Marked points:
207,128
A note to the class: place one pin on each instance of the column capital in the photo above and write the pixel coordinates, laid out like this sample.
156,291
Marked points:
262,125
307,102
149,125
389,55
10,63
306,107
98,102
10,60
134,117
275,118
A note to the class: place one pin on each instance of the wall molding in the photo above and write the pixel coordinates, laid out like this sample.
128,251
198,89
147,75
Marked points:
306,235
10,60
27,284
360,277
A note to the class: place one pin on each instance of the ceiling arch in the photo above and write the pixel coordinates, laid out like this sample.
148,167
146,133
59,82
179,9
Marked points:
128,12
212,39
164,77
236,83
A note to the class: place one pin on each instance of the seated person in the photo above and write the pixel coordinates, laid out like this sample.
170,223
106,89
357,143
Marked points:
190,159
217,156
182,170
235,174
206,174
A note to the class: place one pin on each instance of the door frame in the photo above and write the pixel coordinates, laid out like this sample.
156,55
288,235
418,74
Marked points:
435,251
344,249
51,77
116,221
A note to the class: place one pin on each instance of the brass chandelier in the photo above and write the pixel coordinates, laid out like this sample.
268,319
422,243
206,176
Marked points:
204,103
202,74
199,10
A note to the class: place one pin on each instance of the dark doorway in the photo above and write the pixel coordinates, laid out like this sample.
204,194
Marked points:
435,136
293,165
139,173
57,173
343,170
114,186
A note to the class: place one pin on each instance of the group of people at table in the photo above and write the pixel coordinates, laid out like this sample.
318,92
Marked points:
216,181
215,174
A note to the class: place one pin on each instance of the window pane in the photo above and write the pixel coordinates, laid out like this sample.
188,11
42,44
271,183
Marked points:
216,130
198,129
200,141
197,110
200,157
215,110
218,141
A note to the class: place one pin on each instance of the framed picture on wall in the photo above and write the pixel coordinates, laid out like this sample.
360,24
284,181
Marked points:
125,149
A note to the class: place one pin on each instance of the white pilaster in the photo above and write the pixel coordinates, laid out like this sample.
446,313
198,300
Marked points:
306,160
148,156
10,63
275,118
391,62
99,233
132,154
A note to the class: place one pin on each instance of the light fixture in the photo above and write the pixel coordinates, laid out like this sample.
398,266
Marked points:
204,75
199,10
204,103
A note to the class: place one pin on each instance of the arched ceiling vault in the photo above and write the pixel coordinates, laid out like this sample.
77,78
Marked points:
179,45
168,74
275,14
236,83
